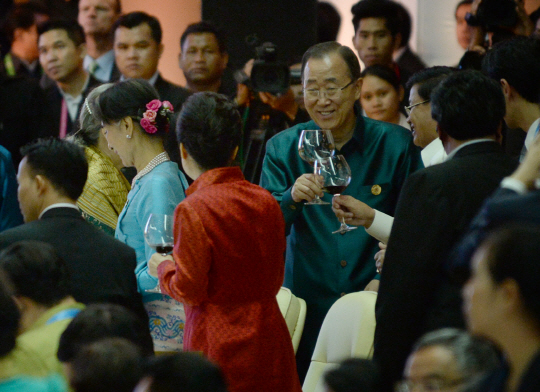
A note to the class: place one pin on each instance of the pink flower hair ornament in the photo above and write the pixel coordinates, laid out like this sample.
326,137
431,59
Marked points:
150,116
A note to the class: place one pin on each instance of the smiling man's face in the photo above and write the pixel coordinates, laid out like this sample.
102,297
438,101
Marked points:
335,113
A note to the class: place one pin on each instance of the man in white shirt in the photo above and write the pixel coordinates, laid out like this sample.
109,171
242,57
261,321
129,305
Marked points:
424,131
62,49
97,18
515,64
137,49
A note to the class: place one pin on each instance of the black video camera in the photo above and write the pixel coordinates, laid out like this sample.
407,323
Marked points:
268,74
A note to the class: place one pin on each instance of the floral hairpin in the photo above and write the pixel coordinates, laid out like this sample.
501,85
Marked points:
155,107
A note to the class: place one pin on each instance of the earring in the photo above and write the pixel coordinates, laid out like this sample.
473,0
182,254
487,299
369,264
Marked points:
128,136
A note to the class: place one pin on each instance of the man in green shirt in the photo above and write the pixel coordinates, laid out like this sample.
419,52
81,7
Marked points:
321,266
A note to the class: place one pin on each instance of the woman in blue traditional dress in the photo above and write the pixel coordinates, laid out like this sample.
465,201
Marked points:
135,123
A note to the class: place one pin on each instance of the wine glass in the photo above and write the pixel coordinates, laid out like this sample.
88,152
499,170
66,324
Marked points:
336,175
315,144
158,234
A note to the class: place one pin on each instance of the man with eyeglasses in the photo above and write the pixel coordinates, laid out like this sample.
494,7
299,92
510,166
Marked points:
448,360
417,294
320,266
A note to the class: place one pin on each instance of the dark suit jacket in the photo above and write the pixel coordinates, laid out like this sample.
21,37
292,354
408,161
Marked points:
171,92
504,206
23,113
102,268
497,380
409,63
54,102
434,209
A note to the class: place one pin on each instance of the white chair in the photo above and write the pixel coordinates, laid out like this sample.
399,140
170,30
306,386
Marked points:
347,332
293,310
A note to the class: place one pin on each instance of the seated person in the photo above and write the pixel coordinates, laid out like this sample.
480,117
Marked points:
41,284
353,375
186,372
107,365
101,321
502,304
381,95
51,177
20,364
448,358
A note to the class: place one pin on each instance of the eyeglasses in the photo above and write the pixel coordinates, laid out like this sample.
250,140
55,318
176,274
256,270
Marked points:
430,385
332,92
409,109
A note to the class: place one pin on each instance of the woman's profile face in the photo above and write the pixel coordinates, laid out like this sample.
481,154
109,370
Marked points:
480,297
379,99
118,141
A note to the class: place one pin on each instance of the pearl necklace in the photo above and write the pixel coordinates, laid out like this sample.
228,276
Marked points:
160,158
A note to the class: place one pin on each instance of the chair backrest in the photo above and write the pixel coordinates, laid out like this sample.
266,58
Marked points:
347,332
293,310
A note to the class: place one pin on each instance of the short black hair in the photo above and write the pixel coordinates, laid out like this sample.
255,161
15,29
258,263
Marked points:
513,252
111,364
354,374
319,51
137,18
9,317
328,22
36,271
62,162
210,127
100,321
129,99
384,73
429,78
205,27
468,105
73,30
518,61
186,372
383,9
462,2
405,23
21,16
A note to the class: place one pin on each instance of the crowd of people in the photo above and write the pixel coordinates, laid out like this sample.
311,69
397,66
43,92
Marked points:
442,201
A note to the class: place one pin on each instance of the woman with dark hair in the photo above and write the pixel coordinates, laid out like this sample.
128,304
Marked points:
135,124
502,303
106,189
381,95
228,256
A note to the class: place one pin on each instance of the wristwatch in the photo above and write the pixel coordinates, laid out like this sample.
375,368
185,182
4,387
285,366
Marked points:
472,20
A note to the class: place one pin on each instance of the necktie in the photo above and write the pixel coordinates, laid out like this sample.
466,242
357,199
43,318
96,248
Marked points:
63,119
92,68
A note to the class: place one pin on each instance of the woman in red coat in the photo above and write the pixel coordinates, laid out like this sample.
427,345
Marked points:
228,256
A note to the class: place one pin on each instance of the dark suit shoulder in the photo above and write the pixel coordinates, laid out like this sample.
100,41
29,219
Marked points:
171,92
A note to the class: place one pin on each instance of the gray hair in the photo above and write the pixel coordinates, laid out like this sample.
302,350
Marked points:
475,356
89,125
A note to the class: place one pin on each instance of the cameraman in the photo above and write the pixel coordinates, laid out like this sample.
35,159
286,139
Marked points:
263,115
499,31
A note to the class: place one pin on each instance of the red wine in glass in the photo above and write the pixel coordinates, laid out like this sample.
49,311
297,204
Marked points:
158,234
336,175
